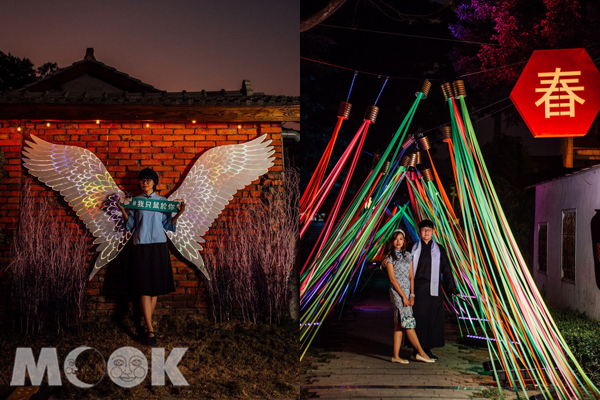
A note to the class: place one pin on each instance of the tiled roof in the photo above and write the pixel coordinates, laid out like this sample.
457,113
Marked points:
126,90
203,97
61,71
89,89
566,176
89,66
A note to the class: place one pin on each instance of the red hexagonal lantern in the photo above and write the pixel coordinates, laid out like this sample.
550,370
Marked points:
558,93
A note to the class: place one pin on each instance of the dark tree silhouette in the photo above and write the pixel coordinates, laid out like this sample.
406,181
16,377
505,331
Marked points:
17,72
46,69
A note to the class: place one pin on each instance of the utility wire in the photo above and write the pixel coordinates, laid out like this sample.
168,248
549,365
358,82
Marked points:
429,37
366,72
492,69
406,77
408,35
431,79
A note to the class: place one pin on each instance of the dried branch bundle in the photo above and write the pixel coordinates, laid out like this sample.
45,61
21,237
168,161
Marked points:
251,263
49,268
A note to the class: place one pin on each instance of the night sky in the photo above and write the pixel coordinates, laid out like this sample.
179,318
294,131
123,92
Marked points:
173,45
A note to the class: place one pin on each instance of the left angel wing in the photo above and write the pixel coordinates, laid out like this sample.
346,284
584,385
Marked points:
87,186
211,183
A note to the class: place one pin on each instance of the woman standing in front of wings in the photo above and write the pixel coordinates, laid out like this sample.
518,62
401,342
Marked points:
150,273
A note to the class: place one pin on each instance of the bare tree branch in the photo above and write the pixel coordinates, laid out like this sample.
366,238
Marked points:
321,16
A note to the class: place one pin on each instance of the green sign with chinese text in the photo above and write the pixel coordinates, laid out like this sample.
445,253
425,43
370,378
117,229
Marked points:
151,205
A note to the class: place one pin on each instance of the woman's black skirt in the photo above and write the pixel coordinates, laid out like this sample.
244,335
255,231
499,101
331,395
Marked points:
150,272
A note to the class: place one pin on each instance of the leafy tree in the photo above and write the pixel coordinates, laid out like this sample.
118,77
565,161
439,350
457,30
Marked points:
17,72
46,69
514,29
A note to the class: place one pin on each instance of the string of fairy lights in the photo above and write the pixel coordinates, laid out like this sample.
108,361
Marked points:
21,124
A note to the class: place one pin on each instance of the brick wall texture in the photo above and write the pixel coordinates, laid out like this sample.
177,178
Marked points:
125,148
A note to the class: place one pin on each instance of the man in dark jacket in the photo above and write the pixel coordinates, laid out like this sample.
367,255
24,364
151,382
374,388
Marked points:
430,264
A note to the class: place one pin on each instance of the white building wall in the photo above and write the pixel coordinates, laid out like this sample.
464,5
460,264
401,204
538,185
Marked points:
579,192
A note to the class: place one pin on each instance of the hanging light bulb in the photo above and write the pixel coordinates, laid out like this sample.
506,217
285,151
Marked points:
193,121
48,124
239,126
18,128
98,122
147,125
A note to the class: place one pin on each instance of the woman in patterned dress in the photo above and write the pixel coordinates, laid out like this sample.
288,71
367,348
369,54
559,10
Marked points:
398,264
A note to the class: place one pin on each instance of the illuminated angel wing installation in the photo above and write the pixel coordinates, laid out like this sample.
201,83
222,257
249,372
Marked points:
86,185
211,183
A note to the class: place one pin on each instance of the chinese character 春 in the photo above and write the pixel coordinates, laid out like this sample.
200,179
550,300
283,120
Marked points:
555,95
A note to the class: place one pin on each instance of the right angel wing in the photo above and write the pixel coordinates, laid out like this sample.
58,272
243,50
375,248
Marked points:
211,183
87,186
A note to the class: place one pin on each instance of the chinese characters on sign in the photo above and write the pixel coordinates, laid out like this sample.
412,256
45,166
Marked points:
557,93
154,205
553,97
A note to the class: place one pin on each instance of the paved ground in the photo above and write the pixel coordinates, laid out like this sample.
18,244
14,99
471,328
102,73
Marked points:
351,359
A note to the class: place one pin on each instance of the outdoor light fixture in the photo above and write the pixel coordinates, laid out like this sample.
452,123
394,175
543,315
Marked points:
344,110
410,140
193,121
447,133
98,122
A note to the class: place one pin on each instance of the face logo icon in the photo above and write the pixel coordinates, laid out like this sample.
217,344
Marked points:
127,367
70,366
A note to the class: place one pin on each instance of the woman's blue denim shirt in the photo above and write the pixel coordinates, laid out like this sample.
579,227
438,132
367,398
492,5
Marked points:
149,226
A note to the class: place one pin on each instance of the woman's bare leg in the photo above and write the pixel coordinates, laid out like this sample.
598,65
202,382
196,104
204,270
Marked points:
153,304
411,335
146,305
397,339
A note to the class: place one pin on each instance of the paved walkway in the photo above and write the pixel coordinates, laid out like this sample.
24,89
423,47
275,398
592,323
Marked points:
351,358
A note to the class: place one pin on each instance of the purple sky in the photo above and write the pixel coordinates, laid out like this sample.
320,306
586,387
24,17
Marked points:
172,45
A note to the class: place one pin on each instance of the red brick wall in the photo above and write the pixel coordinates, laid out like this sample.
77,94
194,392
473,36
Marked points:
125,148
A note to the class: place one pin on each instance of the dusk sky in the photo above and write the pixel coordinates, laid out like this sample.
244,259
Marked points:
173,45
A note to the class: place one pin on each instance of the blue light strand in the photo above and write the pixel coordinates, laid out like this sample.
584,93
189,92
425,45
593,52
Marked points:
351,86
381,91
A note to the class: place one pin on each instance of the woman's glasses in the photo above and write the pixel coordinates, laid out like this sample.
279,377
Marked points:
146,180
